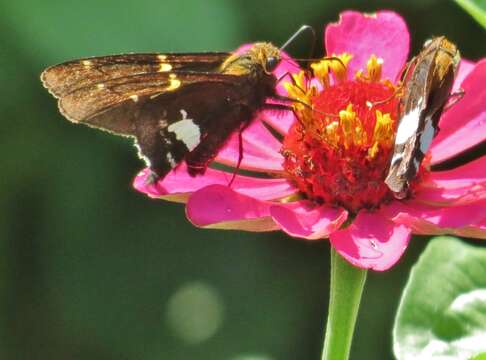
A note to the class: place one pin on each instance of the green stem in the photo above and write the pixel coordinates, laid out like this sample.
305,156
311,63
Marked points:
347,283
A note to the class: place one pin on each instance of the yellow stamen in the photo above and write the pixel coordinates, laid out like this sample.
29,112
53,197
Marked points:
340,71
382,133
359,134
331,136
321,72
348,122
297,88
374,68
339,67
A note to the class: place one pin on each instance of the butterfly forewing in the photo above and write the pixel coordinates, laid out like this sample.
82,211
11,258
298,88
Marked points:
86,102
66,77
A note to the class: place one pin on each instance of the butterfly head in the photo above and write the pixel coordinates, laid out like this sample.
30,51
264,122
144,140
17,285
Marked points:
260,57
265,54
448,56
453,52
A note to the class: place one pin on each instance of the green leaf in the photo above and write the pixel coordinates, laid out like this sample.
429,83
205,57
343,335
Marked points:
442,313
475,8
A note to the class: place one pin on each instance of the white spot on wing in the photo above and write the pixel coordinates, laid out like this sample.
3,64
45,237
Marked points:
408,126
171,160
427,136
186,131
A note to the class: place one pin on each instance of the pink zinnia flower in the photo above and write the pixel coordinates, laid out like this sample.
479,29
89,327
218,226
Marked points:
320,184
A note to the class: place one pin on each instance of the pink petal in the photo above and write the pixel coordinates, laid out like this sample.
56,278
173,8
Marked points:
301,219
178,185
286,66
384,34
279,120
467,220
371,241
462,185
463,126
219,207
451,196
260,150
465,67
468,175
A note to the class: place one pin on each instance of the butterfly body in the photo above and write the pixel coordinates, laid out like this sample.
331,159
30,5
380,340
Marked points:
426,89
178,107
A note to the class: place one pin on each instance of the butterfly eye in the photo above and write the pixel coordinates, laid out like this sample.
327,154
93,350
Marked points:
271,63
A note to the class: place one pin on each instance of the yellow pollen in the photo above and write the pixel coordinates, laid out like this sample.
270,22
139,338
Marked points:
373,67
100,86
87,63
162,57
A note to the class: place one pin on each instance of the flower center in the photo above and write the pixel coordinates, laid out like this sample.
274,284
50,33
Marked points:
338,151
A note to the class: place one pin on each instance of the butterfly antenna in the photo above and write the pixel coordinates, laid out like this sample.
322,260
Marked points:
302,29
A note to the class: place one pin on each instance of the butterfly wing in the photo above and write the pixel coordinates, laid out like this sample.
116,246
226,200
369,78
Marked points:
412,113
69,76
169,113
191,124
427,90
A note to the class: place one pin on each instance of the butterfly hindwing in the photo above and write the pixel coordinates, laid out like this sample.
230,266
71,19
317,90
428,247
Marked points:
191,125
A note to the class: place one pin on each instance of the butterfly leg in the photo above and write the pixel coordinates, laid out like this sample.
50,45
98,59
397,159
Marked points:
240,151
454,98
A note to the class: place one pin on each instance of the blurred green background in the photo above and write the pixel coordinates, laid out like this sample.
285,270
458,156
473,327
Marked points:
91,269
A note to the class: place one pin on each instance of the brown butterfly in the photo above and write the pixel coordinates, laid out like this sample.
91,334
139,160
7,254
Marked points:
177,107
426,89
